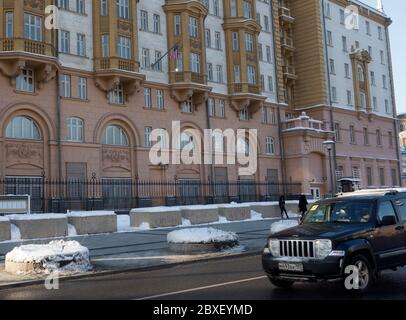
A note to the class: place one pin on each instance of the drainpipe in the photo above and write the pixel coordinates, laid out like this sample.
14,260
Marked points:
394,112
329,95
208,124
58,108
281,141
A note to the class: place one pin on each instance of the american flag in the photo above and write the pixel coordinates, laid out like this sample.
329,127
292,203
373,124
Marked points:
174,53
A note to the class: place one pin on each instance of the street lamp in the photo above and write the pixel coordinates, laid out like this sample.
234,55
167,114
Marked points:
329,145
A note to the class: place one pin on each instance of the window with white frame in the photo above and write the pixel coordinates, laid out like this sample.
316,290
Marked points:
160,99
349,97
334,94
363,100
260,53
25,81
158,61
179,62
207,38
124,47
237,73
80,6
105,45
247,9
210,107
268,54
178,26
115,135
373,80
233,8
147,98
380,33
9,16
235,40
217,40
387,107
65,86
216,8
382,55
193,27
368,27
329,38
342,16
218,142
270,145
147,137
221,109
347,70
270,84
64,41
157,23
249,42
82,88
375,103
74,128
378,137
144,20
337,131
345,45
116,96
384,84
219,71
262,81
332,67
145,61
22,127
251,75
81,45
187,106
266,23
210,72
244,115
104,8
123,9
195,62
243,146
268,115
63,4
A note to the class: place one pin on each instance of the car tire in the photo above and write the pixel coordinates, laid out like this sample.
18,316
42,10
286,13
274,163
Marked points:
285,284
367,274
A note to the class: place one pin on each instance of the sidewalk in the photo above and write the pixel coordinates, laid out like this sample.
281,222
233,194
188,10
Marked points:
141,249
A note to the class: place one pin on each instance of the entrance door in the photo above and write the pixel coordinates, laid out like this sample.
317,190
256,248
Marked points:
76,193
273,184
315,193
220,185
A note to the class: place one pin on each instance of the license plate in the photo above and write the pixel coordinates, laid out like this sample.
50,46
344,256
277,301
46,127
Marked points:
295,267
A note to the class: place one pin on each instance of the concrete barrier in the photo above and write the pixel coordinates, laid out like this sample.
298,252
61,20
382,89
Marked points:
37,226
5,229
235,212
267,209
292,206
157,217
200,214
93,222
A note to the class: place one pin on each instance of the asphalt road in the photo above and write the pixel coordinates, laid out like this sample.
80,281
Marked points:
238,278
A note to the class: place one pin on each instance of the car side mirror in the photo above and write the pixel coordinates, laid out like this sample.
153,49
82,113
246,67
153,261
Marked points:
388,221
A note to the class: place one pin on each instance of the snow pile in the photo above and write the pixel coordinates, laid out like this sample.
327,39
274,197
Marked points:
72,230
201,235
90,213
283,225
15,233
256,216
61,256
123,223
41,216
4,219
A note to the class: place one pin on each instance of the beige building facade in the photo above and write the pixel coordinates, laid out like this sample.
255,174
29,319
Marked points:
80,102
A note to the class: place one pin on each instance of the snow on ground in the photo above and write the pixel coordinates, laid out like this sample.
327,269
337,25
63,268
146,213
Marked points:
156,209
256,216
201,235
4,219
283,225
72,230
42,216
186,222
15,233
90,213
61,256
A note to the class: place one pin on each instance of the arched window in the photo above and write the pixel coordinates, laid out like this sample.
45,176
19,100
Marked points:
218,142
22,127
74,129
115,135
270,145
360,73
186,141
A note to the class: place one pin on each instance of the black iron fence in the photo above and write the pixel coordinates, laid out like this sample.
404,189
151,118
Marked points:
124,194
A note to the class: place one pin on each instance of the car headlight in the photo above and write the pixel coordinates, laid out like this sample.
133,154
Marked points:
323,248
274,247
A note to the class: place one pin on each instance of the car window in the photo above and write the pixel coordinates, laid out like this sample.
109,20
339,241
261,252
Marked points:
386,209
401,204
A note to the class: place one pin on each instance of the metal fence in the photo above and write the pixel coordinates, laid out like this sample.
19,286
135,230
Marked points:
124,194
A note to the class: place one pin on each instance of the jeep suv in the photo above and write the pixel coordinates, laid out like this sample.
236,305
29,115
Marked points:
364,230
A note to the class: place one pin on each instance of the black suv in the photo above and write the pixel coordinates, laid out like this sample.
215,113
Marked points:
361,229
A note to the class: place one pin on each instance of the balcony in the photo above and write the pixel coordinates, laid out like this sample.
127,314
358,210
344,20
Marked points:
289,72
245,95
285,15
19,53
114,70
287,44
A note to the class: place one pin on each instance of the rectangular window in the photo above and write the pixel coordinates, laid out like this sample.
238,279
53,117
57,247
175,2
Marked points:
160,99
64,41
347,70
370,51
233,8
124,47
147,137
25,81
65,86
382,176
387,109
382,54
195,62
193,27
384,84
268,115
363,100
268,54
247,9
116,96
144,20
380,33
104,8
145,61
221,109
269,146
251,75
390,138
342,16
368,27
366,136
80,6
9,25
157,23
262,78
270,84
332,67
249,42
352,134
63,4
217,40
394,174
369,176
334,94
177,28
260,55
210,72
244,115
123,9
219,71
349,97
373,81
329,38
216,8
237,73
378,137
337,131
82,88
207,38
235,41
345,45
210,107
375,103
147,98
105,45
81,45
158,61
179,62
266,23
187,106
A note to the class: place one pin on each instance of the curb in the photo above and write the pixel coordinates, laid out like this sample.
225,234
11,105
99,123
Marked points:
27,283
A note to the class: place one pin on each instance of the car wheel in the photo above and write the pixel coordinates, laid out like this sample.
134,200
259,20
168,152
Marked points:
366,275
285,284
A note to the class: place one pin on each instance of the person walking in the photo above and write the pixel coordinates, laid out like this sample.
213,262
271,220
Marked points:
302,205
282,206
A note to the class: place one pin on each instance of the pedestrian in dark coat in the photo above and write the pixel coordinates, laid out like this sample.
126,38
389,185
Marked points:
303,205
282,206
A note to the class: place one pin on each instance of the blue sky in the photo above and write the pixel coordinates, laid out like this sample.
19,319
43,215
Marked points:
396,9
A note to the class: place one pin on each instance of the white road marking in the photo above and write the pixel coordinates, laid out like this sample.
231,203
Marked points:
201,288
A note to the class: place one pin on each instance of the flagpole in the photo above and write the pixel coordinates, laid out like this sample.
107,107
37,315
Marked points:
160,59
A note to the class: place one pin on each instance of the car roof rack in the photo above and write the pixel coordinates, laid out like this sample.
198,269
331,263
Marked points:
374,192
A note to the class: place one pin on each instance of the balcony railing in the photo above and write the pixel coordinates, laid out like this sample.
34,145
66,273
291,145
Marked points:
287,42
289,72
115,63
26,45
244,88
286,15
187,76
